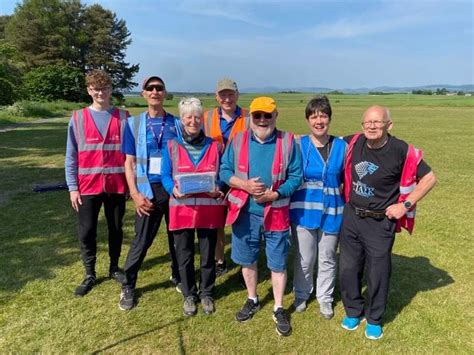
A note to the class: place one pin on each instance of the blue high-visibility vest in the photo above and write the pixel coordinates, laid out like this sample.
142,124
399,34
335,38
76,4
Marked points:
318,203
138,127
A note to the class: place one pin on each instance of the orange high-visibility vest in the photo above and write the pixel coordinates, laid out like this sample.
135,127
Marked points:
276,216
212,126
101,161
199,210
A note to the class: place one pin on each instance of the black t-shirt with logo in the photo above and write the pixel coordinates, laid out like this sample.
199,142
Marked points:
376,173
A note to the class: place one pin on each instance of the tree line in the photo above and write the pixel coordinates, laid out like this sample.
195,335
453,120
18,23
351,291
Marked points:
47,47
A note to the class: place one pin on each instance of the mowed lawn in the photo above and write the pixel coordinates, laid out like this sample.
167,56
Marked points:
430,306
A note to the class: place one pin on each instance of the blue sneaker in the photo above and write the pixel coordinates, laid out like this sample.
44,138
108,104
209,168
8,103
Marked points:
351,323
373,331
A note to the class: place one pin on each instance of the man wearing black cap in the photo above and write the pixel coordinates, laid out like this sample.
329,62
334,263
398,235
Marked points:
145,137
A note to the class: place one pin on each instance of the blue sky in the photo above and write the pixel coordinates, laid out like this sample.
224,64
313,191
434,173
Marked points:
335,44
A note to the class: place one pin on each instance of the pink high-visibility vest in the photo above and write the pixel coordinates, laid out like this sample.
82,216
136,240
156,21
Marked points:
276,215
101,162
199,210
407,185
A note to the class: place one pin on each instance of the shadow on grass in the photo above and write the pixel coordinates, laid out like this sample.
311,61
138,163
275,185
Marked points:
38,235
411,275
182,350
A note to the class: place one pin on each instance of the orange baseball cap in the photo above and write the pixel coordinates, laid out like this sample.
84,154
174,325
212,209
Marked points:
263,104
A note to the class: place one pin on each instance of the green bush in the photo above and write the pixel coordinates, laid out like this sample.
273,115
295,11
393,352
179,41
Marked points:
54,82
33,109
28,109
7,92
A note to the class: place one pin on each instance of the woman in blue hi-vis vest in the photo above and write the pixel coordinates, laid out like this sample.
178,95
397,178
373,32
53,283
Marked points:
316,209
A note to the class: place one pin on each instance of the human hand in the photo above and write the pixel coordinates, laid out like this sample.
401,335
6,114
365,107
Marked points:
177,194
143,205
254,186
217,194
395,211
267,196
75,198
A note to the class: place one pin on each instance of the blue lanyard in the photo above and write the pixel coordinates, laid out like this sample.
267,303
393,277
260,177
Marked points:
159,139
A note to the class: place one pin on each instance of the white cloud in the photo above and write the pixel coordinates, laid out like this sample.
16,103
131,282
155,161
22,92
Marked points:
385,17
229,10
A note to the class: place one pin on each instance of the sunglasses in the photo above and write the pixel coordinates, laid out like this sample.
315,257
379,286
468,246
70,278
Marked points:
154,87
258,115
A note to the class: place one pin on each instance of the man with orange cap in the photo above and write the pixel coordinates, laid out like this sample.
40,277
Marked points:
263,168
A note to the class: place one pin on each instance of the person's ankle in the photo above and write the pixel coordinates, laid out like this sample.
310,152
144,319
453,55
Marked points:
254,299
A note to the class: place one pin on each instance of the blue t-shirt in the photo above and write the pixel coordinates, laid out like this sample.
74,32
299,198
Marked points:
226,126
260,165
156,140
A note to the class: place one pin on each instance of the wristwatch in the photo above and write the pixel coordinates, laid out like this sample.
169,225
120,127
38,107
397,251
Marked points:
407,204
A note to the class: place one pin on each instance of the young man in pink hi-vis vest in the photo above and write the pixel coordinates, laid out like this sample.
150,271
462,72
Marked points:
384,179
95,175
263,168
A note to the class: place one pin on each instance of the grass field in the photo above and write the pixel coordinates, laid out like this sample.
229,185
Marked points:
430,306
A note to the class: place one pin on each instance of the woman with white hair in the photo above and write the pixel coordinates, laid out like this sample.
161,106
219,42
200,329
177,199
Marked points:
190,175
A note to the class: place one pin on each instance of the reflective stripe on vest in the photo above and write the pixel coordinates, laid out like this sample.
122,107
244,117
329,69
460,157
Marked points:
316,206
100,169
101,162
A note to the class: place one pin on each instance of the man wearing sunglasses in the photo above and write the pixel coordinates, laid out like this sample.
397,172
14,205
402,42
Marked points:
222,123
145,137
263,168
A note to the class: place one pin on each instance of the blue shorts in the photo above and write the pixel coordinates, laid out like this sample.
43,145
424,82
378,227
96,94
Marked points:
247,232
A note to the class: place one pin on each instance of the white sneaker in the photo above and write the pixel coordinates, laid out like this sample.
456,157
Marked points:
326,311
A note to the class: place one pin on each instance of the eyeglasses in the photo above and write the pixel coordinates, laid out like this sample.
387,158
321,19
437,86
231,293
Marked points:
258,115
377,124
150,88
104,89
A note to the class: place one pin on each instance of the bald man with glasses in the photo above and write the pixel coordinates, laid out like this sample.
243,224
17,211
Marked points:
384,178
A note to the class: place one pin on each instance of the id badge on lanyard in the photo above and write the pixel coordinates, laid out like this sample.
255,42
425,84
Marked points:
155,162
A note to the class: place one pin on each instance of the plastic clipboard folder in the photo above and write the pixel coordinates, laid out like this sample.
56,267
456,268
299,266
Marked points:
196,182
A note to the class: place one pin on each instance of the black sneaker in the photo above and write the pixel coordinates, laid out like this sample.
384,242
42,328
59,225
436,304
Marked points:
127,298
247,311
207,305
283,326
221,268
85,286
118,276
189,306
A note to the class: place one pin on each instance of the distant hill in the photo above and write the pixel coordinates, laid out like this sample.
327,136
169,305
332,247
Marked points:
315,89
387,89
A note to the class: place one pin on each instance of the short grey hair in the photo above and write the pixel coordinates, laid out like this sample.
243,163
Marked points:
189,105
